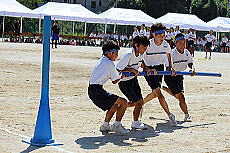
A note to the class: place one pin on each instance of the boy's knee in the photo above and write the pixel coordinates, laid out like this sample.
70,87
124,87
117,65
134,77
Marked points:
139,103
123,102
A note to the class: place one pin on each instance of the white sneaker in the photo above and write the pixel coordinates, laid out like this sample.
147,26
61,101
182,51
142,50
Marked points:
187,118
104,128
119,129
172,119
138,125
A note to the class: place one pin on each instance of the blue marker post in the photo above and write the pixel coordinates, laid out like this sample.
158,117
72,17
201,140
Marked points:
43,131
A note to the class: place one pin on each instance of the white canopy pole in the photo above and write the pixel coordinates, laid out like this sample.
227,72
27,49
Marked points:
85,28
3,27
114,28
106,27
73,27
21,26
40,21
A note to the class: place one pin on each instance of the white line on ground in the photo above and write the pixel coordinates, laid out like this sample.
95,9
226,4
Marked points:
26,137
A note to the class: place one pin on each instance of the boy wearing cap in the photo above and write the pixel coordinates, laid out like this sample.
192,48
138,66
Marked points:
102,72
129,86
156,57
181,58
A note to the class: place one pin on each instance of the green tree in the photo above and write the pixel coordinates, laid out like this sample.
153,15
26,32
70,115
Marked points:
209,9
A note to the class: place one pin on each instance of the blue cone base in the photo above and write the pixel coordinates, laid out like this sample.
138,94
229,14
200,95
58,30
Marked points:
42,143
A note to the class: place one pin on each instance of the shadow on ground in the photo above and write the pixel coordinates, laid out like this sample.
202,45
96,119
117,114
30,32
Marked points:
97,142
137,136
30,148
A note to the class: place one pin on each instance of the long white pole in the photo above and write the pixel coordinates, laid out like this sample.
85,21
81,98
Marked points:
105,27
73,28
3,28
40,21
21,26
85,28
114,28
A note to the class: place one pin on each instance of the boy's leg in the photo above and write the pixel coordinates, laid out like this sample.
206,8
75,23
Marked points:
110,113
55,43
183,105
122,105
149,97
137,109
161,99
52,44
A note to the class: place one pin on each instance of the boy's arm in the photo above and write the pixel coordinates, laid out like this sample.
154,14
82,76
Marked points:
192,69
129,70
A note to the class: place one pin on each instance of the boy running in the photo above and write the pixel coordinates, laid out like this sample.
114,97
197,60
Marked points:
129,86
156,56
103,71
181,58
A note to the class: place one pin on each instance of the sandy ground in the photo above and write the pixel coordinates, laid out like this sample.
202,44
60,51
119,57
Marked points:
76,120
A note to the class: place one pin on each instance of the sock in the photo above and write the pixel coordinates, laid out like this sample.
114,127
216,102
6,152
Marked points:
106,123
116,123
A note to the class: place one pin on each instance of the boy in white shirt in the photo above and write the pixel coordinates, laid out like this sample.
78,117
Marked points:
156,58
191,41
142,30
209,42
224,42
181,58
103,71
129,86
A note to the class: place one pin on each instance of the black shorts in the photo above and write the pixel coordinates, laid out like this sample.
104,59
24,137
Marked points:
131,89
208,45
191,43
175,84
154,81
100,97
224,45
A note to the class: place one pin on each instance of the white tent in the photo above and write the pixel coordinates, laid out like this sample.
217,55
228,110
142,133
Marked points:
124,16
15,9
69,12
185,21
222,24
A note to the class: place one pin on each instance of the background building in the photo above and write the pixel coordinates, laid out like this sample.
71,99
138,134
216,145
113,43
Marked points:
92,5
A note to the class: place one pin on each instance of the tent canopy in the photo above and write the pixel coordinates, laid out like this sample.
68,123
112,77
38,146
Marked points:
185,21
124,16
222,24
15,9
71,12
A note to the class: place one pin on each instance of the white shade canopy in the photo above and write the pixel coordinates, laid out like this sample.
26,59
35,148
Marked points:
222,24
124,16
15,9
69,12
185,21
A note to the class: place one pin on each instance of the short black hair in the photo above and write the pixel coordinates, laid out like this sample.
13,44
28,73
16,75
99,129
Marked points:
109,45
179,35
140,40
157,26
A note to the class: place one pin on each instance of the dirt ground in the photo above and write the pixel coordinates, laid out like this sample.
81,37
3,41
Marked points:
76,120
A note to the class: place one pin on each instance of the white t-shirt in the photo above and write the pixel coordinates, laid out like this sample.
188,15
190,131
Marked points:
135,33
168,36
191,36
176,32
210,38
142,32
148,34
129,60
103,71
180,61
156,55
225,40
